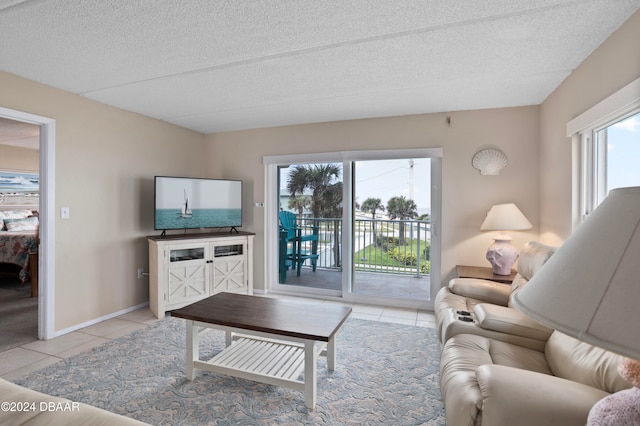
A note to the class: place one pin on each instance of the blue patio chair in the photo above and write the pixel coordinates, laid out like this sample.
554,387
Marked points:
294,245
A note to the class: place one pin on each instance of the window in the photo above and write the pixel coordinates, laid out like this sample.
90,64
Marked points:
607,136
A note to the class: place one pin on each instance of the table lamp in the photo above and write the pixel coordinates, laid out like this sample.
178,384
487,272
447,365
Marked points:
590,288
504,217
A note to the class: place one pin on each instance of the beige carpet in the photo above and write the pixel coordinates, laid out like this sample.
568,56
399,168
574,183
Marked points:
18,312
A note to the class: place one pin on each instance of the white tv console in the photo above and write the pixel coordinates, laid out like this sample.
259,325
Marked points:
189,267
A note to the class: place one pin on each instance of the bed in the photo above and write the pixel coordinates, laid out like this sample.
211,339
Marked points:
18,239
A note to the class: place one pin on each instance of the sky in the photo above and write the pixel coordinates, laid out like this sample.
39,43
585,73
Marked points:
389,178
623,153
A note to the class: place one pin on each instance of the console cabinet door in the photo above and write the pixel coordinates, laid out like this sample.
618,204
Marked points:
230,267
188,273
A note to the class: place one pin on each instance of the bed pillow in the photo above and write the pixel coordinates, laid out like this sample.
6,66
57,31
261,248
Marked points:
22,225
15,214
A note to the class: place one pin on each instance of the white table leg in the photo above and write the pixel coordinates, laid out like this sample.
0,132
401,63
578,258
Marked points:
310,374
228,337
193,348
331,354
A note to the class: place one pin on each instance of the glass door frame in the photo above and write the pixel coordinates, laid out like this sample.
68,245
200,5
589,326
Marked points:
347,158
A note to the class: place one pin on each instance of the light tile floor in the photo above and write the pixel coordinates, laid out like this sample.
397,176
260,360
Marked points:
33,356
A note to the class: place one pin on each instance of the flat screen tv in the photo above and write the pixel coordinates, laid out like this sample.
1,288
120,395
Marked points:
196,203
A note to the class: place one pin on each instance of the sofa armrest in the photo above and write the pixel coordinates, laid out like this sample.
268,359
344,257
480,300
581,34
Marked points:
513,396
67,412
510,321
488,291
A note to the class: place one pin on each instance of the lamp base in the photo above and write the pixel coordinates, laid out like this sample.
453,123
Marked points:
502,255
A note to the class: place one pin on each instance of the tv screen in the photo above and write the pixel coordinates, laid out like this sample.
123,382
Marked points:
193,203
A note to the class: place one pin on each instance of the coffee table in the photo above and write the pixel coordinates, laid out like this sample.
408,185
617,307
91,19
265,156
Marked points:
267,340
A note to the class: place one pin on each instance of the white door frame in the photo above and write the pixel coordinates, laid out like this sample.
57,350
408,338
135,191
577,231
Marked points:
46,251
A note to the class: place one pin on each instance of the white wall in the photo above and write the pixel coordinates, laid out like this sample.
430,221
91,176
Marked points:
467,195
610,67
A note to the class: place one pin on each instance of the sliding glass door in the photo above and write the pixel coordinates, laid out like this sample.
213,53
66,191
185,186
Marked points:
310,211
391,220
361,226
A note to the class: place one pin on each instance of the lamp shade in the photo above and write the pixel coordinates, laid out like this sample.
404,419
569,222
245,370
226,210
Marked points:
505,217
590,288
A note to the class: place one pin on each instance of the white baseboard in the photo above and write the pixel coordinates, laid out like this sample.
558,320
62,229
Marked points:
98,320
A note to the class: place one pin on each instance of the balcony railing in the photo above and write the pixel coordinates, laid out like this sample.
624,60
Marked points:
386,246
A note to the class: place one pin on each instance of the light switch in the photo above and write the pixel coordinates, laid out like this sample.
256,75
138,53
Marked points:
64,213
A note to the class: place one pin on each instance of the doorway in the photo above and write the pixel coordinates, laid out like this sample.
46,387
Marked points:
19,210
46,255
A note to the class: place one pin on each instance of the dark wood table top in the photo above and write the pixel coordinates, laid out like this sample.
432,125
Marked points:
484,273
305,320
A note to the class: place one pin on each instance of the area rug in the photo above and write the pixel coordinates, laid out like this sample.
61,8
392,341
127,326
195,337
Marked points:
385,374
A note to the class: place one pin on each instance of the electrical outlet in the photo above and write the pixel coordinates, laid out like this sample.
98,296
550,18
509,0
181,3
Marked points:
140,273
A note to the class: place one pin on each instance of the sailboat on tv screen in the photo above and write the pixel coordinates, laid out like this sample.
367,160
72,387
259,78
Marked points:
185,213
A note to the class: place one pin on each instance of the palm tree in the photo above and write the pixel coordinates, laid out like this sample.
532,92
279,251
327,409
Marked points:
373,205
299,203
319,178
326,194
401,208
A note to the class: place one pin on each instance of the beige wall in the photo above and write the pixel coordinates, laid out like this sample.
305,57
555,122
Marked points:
467,195
19,159
105,162
610,67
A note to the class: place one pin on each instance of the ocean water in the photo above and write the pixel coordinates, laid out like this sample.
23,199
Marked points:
202,218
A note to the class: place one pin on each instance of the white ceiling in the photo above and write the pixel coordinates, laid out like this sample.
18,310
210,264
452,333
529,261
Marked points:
220,65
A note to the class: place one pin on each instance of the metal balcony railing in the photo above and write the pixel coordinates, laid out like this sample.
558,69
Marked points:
386,246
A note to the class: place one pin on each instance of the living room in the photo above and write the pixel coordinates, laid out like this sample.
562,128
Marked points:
103,161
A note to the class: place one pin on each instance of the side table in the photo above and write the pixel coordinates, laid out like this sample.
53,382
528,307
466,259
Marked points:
485,273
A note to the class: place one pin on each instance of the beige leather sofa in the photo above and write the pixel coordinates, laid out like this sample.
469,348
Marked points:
505,368
489,382
489,305
22,406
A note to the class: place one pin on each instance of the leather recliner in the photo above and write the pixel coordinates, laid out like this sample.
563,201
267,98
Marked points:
505,368
489,382
489,305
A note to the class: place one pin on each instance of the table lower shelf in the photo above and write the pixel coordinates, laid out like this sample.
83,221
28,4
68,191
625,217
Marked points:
261,360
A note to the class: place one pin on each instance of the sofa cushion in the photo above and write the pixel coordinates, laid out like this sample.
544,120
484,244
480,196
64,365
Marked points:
484,290
512,396
584,363
461,356
510,321
532,257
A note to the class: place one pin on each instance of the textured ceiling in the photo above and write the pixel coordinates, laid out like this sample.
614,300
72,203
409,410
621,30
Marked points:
219,65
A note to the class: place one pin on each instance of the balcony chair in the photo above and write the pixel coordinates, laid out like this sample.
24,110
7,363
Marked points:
292,252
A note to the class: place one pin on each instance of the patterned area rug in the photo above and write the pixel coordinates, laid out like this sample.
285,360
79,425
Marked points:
385,374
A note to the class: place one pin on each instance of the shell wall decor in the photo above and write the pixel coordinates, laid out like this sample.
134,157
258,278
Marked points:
489,161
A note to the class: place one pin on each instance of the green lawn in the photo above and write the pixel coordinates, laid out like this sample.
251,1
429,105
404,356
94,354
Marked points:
375,258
